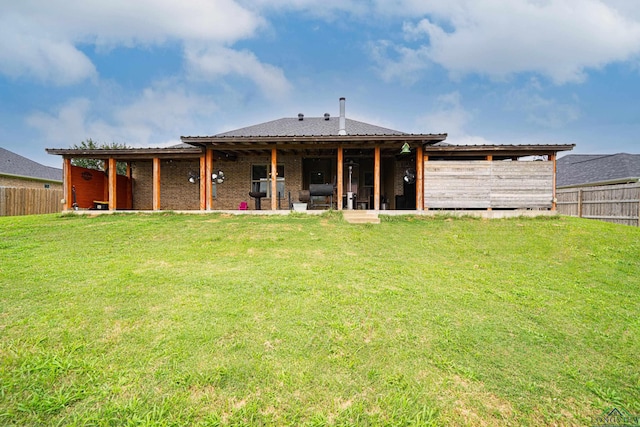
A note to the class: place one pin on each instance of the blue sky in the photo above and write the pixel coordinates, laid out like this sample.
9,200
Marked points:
144,73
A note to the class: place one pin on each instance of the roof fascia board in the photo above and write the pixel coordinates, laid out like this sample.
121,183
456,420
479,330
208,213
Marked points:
128,154
204,140
630,180
30,178
516,149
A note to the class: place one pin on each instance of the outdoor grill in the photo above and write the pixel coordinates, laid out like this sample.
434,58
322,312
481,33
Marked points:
321,190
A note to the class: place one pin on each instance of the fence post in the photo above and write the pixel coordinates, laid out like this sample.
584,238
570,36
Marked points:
580,203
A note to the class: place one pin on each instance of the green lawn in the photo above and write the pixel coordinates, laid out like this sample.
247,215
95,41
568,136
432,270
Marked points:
305,320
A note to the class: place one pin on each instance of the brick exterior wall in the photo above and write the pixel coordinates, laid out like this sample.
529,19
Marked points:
237,184
9,181
177,193
142,186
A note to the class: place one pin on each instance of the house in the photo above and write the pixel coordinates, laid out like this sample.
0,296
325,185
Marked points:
325,162
582,170
19,172
27,187
605,187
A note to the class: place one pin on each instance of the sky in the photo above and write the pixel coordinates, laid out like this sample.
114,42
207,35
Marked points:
145,72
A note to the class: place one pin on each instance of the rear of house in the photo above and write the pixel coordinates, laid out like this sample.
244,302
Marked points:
323,162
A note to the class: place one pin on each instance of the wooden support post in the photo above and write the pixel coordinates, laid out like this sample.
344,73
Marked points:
113,179
554,201
207,179
67,185
376,177
203,179
156,184
420,178
274,179
340,177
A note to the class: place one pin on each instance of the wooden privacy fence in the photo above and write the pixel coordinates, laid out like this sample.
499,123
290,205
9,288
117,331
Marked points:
29,201
619,204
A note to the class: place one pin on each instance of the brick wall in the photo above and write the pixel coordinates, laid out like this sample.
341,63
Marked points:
237,184
176,193
9,181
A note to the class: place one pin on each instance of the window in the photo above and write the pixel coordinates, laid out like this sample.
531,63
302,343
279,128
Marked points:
261,179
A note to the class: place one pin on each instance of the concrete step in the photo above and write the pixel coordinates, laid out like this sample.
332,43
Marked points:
361,217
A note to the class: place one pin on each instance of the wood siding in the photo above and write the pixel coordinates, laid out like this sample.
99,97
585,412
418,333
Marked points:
29,201
484,184
619,204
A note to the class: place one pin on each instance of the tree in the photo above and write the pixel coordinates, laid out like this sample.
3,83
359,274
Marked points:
98,164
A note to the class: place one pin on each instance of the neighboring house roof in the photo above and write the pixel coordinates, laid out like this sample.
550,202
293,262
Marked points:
308,126
594,169
15,165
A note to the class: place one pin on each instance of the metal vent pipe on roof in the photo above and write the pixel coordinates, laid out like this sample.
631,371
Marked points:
343,125
327,116
300,116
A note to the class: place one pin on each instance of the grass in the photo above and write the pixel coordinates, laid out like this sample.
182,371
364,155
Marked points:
300,320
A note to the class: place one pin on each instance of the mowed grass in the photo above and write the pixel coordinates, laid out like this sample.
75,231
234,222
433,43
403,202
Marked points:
310,321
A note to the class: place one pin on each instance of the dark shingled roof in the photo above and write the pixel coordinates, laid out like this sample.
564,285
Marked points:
582,169
14,164
309,126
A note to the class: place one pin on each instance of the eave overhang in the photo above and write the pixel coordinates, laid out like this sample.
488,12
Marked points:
311,141
126,154
501,151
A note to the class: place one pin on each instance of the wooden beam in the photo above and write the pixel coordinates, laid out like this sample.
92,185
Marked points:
203,186
67,185
340,177
554,201
274,178
207,179
156,184
113,179
376,178
420,178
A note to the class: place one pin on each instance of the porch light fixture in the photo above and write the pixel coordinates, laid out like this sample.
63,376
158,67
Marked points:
409,176
406,149
217,177
193,177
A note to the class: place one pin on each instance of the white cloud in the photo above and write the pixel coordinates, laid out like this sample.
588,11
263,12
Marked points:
24,53
540,109
394,61
214,62
328,9
40,39
560,39
452,118
156,115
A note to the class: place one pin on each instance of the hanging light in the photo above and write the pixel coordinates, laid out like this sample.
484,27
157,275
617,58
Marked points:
217,177
409,176
193,177
406,149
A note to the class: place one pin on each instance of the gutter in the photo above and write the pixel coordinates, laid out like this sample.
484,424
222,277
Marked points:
31,178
